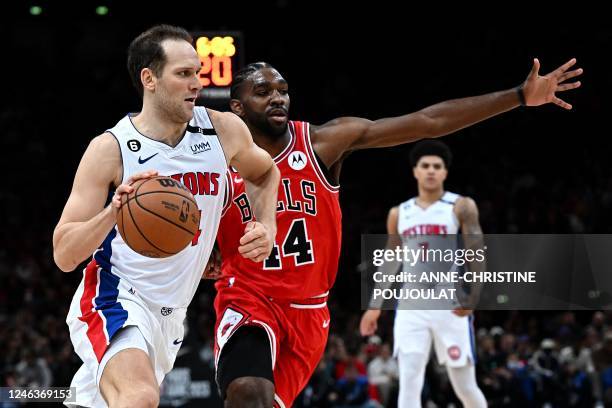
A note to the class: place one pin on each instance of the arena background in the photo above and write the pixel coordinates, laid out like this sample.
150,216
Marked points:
536,170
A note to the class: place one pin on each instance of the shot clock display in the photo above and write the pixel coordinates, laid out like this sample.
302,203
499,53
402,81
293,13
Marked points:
222,56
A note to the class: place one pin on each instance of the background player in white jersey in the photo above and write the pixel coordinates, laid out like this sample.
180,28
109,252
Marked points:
433,212
126,318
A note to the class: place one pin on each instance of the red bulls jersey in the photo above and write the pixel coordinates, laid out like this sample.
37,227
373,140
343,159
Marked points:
304,260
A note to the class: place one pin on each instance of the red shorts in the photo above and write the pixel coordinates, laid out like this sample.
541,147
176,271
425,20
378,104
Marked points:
297,331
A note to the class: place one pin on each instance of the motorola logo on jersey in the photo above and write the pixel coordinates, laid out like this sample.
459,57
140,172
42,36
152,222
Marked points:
297,160
200,147
199,183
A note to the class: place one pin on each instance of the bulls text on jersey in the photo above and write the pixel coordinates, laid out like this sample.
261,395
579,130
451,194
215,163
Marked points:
304,203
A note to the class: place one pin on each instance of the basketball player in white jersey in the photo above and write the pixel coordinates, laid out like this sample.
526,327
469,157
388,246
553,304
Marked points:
439,214
126,318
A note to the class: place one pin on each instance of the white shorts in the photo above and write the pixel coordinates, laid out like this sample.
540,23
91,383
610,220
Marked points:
452,336
106,316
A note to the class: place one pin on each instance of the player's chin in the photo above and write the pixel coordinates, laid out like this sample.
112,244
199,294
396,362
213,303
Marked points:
188,110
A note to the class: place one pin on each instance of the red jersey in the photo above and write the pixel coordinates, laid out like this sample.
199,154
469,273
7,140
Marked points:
304,260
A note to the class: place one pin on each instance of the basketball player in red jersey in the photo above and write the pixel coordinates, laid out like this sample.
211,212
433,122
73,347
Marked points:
272,317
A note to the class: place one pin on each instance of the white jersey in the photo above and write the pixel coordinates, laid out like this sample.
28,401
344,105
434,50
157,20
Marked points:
437,219
199,163
423,229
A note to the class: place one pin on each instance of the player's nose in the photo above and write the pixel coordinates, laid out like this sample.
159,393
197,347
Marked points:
277,98
195,84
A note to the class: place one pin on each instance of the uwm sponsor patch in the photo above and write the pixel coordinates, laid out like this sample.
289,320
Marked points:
200,147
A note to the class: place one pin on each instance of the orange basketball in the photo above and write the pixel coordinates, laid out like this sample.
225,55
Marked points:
159,218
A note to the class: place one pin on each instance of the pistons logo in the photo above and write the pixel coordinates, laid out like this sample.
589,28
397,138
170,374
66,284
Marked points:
454,352
297,160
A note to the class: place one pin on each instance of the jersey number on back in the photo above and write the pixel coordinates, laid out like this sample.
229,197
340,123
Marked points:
296,244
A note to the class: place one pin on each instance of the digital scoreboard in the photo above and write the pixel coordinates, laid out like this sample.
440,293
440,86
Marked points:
221,54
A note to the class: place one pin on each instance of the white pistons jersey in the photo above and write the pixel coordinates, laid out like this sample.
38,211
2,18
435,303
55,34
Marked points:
426,231
437,219
199,163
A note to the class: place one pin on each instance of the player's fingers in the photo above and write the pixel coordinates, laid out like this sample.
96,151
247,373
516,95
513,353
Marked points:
123,189
366,327
257,243
559,71
560,102
260,258
570,74
252,235
253,254
143,175
116,201
566,87
535,69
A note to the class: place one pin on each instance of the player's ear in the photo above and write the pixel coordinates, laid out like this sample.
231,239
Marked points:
147,78
236,107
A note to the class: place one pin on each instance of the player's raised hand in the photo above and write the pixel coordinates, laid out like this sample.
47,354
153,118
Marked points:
539,90
257,242
126,188
369,322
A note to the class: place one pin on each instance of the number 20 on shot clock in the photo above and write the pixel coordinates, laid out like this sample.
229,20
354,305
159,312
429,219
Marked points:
221,55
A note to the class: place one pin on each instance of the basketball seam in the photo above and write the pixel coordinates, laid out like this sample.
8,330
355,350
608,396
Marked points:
143,235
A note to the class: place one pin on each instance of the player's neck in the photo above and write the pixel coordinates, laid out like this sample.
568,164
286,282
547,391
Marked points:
152,125
428,197
271,144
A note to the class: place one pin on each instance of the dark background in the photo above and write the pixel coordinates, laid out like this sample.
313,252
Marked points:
532,170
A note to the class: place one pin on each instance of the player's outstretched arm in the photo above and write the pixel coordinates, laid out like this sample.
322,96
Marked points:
349,133
85,222
261,177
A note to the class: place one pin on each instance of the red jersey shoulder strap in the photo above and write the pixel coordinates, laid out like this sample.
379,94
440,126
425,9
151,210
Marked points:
315,160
